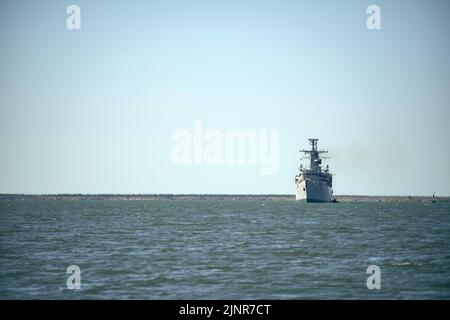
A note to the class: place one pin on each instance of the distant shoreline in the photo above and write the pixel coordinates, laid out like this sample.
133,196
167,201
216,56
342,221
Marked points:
182,197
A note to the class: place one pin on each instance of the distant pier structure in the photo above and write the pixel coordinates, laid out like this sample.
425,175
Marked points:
217,197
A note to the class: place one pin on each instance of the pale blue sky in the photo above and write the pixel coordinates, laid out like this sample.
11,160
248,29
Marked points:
92,111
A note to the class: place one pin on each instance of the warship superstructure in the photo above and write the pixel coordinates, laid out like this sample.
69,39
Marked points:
313,184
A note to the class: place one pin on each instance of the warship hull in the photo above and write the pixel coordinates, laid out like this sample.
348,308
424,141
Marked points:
310,191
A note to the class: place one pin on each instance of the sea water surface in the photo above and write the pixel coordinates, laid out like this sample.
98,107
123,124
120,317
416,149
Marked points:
224,249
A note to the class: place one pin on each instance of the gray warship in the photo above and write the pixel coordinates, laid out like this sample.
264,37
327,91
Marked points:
312,184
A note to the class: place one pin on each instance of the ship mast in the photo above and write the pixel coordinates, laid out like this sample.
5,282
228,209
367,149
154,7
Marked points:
314,158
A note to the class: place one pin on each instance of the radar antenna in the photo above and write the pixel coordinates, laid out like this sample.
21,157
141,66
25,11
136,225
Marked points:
313,155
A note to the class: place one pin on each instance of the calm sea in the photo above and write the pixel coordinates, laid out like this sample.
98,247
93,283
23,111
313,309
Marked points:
223,249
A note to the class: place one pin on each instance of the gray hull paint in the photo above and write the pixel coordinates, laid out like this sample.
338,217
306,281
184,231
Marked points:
311,191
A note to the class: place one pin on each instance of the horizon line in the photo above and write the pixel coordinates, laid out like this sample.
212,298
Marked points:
216,194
